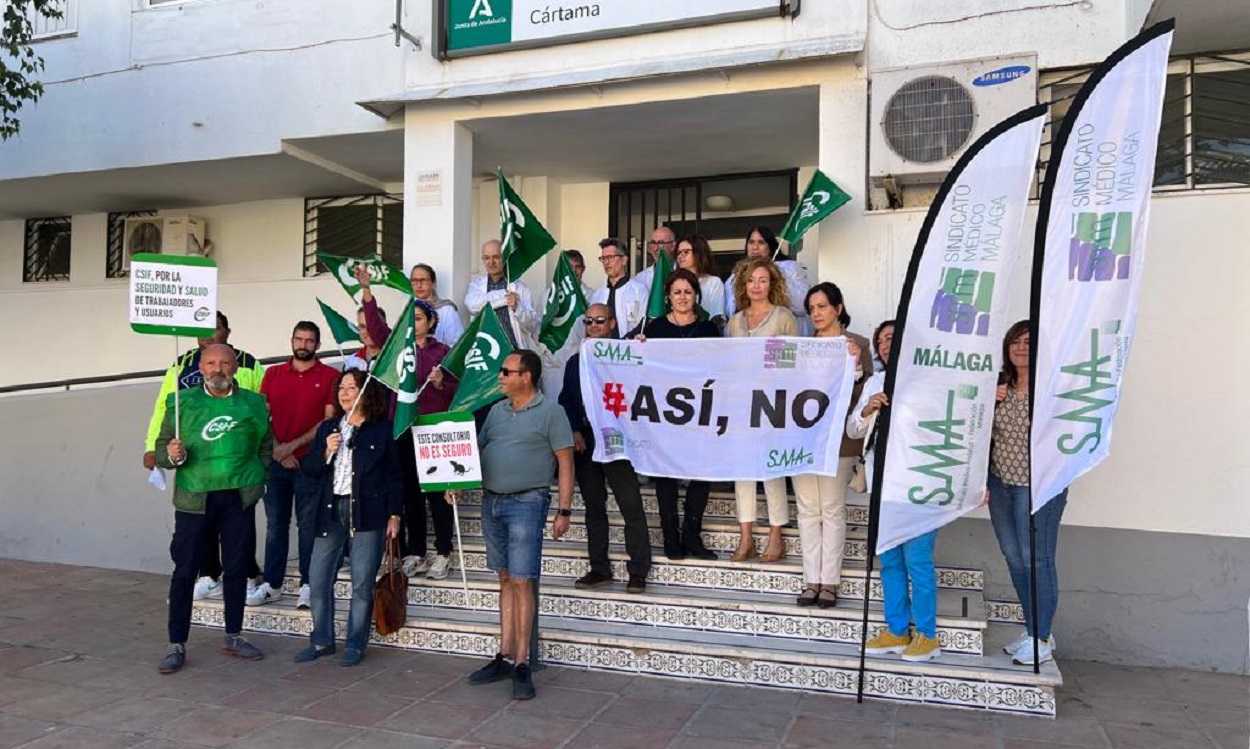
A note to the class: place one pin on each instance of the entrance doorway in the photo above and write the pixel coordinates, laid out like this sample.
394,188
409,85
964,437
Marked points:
721,208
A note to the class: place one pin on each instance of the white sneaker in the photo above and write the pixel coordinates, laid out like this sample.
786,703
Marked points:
205,587
439,567
414,565
263,594
1011,647
1024,656
304,594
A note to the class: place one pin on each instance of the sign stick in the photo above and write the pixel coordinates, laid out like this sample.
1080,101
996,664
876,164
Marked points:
464,579
177,415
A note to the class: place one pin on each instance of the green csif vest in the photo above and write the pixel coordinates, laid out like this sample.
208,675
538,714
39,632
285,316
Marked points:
223,438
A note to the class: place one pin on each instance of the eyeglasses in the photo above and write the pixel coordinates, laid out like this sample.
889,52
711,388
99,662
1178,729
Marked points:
658,242
685,252
595,320
504,371
606,258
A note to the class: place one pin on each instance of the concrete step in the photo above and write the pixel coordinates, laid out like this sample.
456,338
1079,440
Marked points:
568,559
960,613
986,682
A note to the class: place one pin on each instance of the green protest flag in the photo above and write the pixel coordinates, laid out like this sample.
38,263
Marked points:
396,368
524,239
344,269
657,304
821,198
565,305
342,330
476,360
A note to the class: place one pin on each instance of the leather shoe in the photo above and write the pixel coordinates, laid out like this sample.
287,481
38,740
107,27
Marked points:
173,660
743,553
351,657
637,584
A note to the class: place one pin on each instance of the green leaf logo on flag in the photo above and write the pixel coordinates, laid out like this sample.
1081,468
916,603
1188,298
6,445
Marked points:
657,304
475,361
524,239
344,269
341,328
821,198
565,304
396,368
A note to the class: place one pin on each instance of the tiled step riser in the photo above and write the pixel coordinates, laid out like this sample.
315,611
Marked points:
471,528
797,626
731,579
983,694
718,508
1004,612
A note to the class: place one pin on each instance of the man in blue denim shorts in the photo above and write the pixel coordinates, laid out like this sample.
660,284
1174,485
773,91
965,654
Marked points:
525,441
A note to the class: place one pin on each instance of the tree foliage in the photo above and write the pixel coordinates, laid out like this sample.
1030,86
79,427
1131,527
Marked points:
18,61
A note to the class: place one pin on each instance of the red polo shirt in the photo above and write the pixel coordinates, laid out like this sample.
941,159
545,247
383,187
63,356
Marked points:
297,400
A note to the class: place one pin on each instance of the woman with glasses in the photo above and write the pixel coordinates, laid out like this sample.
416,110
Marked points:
695,255
361,501
762,301
682,537
425,287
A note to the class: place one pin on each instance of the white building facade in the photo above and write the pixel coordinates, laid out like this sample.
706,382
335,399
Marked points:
292,126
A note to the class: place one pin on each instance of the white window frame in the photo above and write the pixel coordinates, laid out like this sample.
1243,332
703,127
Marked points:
55,28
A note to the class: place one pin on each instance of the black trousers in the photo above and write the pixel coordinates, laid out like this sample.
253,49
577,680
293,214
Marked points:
413,538
223,516
593,479
679,533
211,564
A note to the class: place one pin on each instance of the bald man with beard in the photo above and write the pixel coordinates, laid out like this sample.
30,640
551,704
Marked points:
220,453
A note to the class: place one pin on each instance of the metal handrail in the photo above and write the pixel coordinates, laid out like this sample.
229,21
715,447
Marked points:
71,383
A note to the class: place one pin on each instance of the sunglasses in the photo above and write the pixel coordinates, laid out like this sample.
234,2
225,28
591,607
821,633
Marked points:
510,372
595,320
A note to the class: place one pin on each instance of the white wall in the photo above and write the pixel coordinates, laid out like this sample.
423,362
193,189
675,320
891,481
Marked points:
80,328
127,89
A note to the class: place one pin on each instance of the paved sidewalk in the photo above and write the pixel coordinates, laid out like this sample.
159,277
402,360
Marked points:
78,648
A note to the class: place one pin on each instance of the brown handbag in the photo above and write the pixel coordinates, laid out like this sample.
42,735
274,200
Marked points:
390,594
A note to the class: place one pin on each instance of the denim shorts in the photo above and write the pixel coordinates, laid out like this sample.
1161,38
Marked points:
513,526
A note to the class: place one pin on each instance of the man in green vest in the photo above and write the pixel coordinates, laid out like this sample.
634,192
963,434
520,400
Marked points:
220,454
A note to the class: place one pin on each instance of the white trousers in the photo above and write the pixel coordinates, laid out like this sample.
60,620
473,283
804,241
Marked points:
774,492
821,504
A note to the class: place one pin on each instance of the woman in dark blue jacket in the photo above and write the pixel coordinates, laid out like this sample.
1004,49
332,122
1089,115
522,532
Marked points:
360,505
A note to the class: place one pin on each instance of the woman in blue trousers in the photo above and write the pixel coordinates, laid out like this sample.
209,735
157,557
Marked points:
360,505
1011,503
909,562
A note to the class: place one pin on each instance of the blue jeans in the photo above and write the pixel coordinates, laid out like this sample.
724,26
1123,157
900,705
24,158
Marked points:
327,557
1009,511
911,560
285,487
513,527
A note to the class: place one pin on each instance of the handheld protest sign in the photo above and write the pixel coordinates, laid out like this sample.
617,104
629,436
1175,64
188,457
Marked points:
447,452
173,295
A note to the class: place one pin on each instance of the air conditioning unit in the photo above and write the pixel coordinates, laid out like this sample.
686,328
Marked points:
167,235
923,118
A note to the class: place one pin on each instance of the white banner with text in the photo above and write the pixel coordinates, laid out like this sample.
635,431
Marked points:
719,409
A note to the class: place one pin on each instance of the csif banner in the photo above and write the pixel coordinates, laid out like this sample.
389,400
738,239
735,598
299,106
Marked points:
719,409
933,444
1090,252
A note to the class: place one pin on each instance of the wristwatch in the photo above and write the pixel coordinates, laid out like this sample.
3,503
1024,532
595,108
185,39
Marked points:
564,512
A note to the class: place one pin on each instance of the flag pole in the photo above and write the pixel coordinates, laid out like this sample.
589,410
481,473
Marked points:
1037,664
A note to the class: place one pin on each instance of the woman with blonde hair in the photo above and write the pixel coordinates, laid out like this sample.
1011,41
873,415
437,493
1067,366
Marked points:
762,301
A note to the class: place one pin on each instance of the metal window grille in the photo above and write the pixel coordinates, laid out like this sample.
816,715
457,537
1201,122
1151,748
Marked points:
637,208
115,264
358,226
46,256
44,27
1204,134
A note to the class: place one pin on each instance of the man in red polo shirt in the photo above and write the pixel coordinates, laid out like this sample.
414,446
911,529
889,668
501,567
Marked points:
300,395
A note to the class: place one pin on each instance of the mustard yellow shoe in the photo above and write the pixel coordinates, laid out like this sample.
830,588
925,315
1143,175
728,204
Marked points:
922,649
886,643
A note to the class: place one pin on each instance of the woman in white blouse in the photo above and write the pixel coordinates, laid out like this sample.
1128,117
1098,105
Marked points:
695,255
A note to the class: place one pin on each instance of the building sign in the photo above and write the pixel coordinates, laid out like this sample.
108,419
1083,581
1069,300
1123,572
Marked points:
480,26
